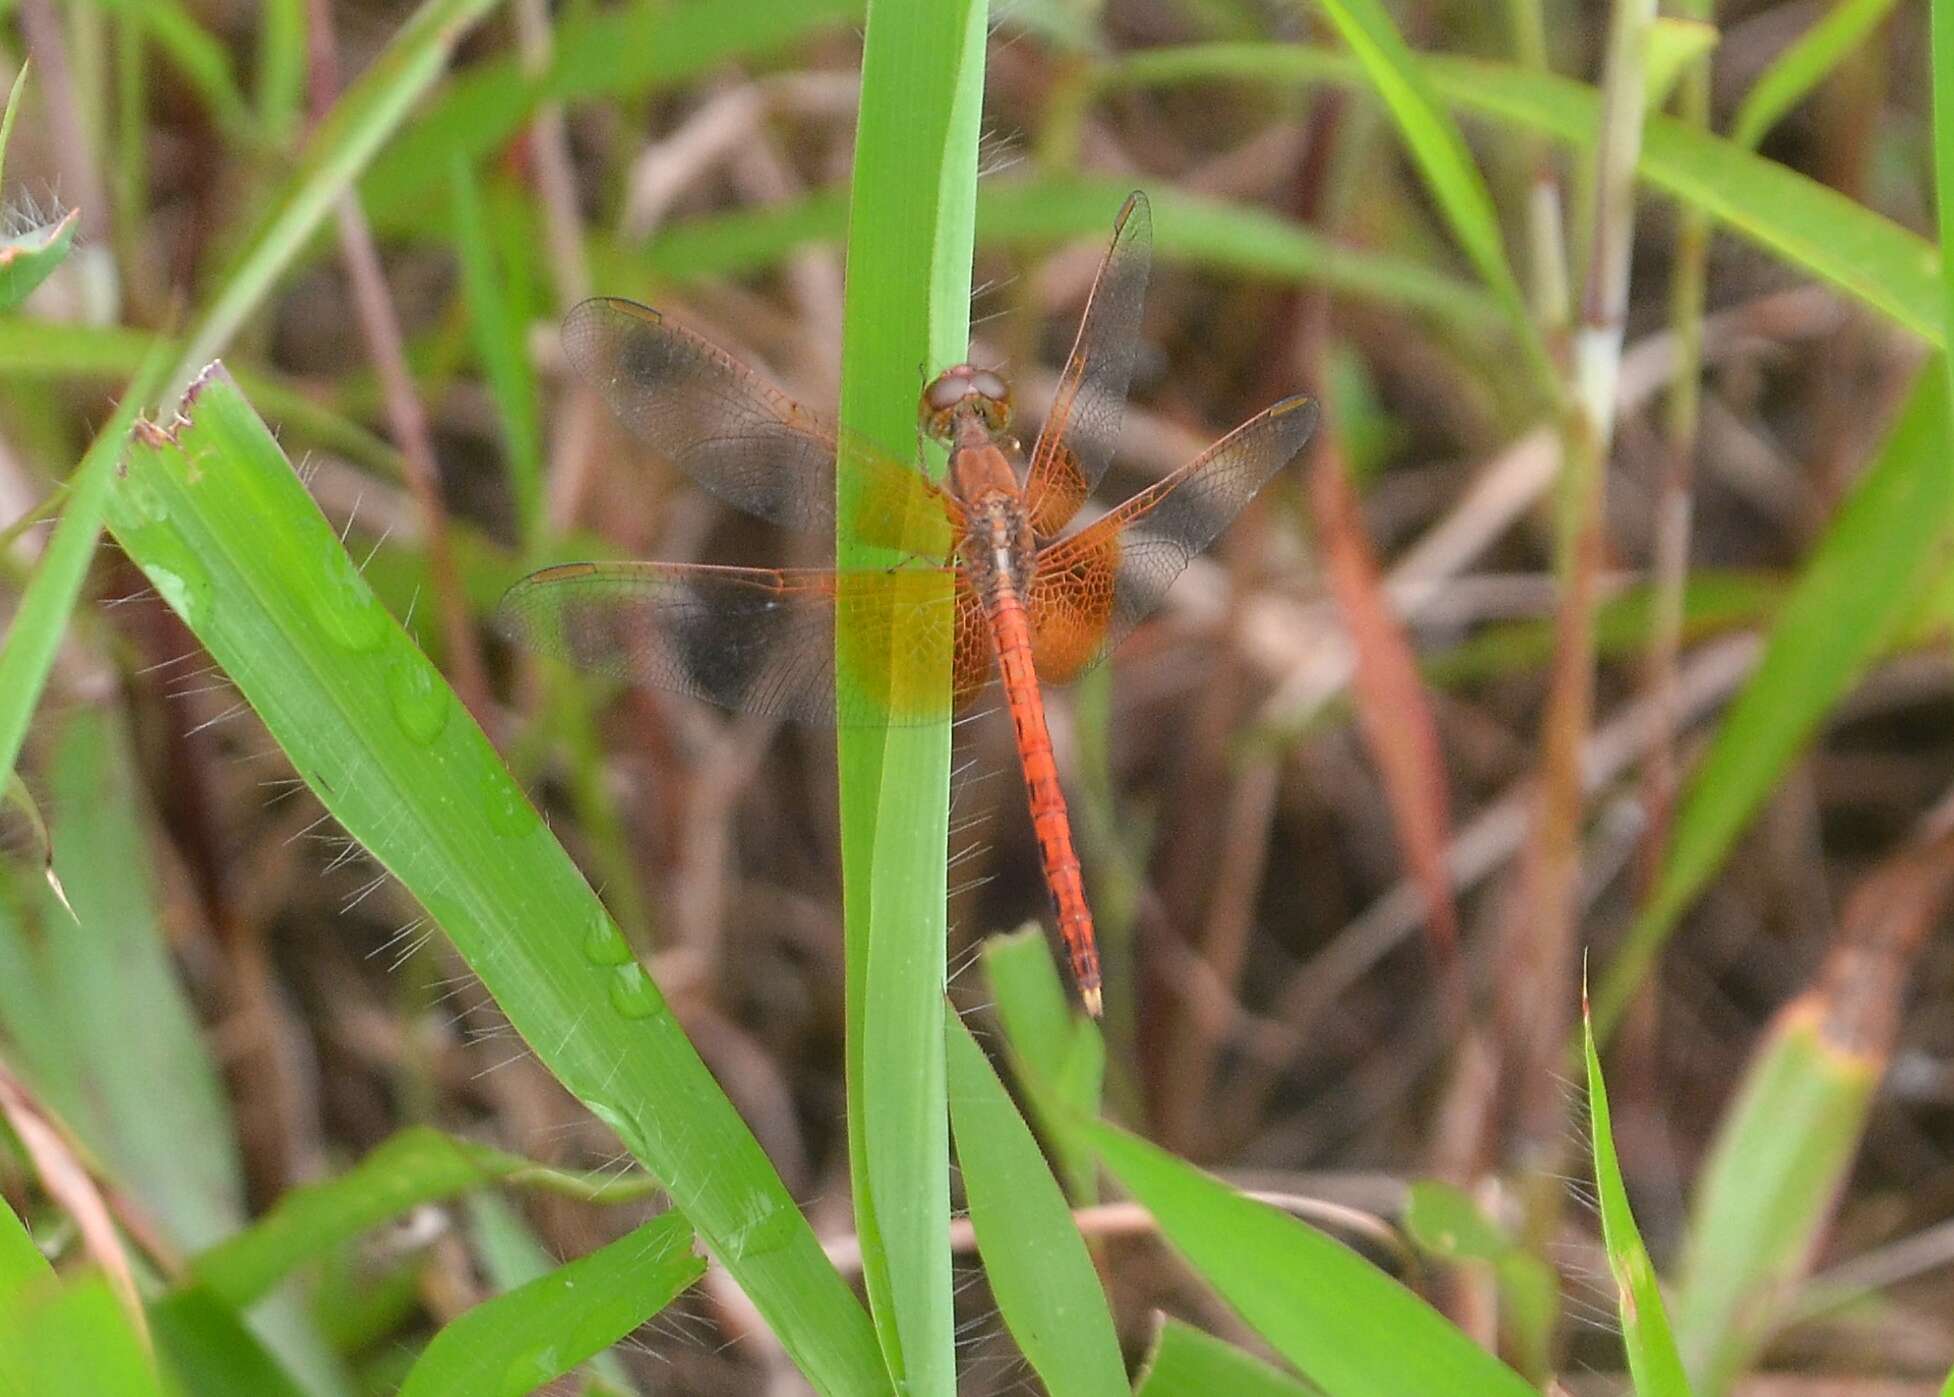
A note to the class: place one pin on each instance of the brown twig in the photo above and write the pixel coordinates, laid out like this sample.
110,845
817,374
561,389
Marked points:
1535,1004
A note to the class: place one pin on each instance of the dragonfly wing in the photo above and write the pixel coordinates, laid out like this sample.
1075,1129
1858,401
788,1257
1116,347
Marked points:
1083,425
1090,589
740,437
760,640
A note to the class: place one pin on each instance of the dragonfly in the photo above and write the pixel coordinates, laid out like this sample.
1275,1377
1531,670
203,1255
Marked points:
1002,583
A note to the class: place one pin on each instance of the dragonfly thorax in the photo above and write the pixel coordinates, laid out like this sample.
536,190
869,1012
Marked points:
998,545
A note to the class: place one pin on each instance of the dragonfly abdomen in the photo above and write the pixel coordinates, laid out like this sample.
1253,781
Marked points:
1050,822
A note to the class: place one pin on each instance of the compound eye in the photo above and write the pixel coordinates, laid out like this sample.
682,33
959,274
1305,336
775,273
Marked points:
988,384
948,390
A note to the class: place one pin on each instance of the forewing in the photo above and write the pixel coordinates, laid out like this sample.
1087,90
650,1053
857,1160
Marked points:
759,640
739,437
1083,425
1089,590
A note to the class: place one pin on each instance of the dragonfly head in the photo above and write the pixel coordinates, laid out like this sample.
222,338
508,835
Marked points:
964,388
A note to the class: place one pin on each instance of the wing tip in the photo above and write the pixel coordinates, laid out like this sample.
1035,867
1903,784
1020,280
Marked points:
587,318
1304,411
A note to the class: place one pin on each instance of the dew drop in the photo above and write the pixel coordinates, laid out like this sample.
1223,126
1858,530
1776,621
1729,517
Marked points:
342,604
768,1228
178,575
604,944
421,702
139,494
508,812
632,995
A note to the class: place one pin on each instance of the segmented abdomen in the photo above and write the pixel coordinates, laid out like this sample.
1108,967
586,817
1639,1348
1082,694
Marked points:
1049,821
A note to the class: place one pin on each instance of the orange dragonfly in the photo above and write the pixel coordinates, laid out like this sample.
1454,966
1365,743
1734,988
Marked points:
1009,586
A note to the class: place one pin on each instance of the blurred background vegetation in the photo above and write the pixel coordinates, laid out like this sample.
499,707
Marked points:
1355,808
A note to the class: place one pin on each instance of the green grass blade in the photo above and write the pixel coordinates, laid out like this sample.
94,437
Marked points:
624,51
13,110
1189,1363
28,259
1448,1223
1816,230
76,988
21,1262
910,238
1941,25
1053,1048
1803,65
1674,44
208,1348
369,111
504,351
73,1338
280,69
1783,1149
1035,212
35,630
1441,156
511,1256
1861,581
520,1341
416,1166
1037,1263
237,547
1343,1323
1652,1357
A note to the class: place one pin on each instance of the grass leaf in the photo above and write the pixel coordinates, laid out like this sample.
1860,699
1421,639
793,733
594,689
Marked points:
1652,1357
522,1340
1814,229
28,258
1440,153
907,304
21,1262
1039,1269
226,533
1861,581
1803,65
1044,1034
1343,1323
418,1165
78,985
1771,1182
207,1346
13,110
35,630
1765,1188
1941,26
73,1338
1189,1363
1047,208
